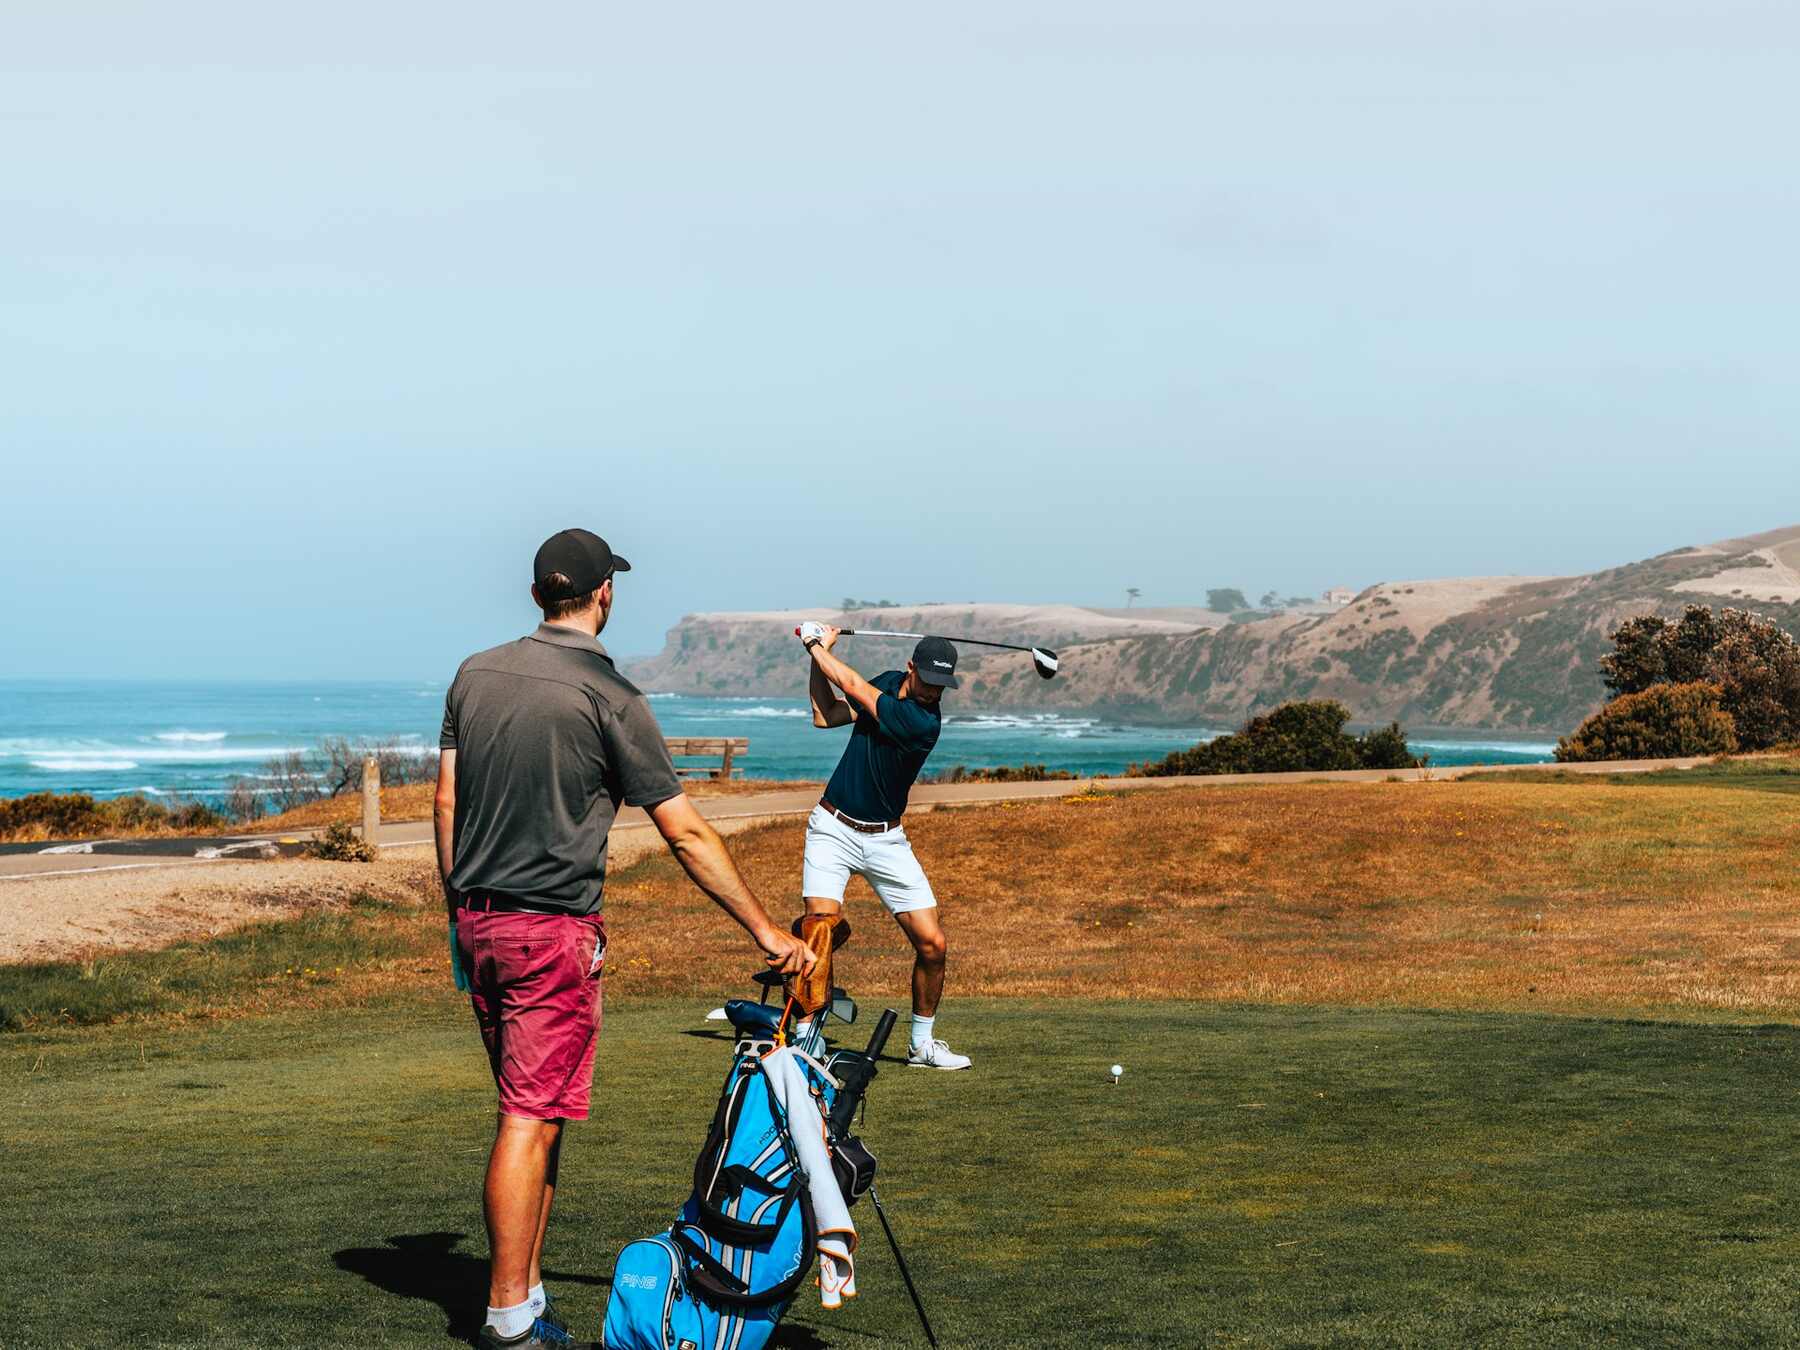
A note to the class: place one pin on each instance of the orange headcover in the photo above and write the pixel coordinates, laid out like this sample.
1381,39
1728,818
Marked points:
812,990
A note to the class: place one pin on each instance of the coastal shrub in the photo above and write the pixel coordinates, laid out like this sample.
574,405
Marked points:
1296,737
1226,599
1002,773
1665,721
339,763
339,842
78,815
1754,663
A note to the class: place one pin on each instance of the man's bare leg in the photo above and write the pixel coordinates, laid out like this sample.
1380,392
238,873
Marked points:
926,934
537,1248
927,937
515,1204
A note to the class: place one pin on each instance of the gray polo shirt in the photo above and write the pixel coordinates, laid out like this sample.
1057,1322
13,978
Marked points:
549,739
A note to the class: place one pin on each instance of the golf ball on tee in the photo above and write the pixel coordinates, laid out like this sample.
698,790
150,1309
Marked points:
1117,1069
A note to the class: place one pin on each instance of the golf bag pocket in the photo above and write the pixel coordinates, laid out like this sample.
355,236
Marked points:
854,1167
653,1306
650,1309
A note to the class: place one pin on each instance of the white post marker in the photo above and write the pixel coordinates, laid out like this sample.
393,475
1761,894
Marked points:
1117,1069
371,801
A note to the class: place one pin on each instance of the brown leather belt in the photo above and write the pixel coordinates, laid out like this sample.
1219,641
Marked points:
861,826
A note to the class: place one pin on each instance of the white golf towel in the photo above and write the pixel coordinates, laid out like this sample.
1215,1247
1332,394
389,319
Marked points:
837,1234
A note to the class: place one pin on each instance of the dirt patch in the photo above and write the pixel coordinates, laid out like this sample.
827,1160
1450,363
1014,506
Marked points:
61,916
57,917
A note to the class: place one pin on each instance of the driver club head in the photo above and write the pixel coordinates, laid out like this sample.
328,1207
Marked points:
1045,661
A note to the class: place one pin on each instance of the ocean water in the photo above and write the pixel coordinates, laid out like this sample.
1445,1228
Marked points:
195,738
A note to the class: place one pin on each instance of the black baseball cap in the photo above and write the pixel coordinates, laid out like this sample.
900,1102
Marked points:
580,555
935,660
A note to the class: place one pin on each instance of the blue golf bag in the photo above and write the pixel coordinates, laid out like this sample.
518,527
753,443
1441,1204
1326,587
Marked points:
724,1273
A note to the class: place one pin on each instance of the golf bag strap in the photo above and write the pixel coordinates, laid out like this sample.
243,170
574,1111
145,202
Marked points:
713,1218
708,1264
712,1281
740,1232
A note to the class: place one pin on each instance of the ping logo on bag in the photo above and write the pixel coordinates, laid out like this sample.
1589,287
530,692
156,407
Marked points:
634,1281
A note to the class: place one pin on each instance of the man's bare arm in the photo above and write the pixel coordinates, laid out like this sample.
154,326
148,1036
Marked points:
443,823
828,706
704,857
858,690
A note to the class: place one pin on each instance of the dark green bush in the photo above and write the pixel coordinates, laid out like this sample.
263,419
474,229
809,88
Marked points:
1754,664
1296,737
1002,773
1665,721
340,842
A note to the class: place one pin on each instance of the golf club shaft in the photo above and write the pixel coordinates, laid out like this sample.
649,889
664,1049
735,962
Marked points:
977,642
905,1274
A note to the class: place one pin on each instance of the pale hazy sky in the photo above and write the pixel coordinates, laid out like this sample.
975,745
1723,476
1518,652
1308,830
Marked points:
314,320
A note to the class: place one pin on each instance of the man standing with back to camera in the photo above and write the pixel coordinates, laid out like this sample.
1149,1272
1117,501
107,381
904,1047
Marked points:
542,740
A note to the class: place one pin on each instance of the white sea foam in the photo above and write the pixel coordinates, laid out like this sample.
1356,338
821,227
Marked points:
89,755
1510,747
92,764
732,714
184,737
1040,722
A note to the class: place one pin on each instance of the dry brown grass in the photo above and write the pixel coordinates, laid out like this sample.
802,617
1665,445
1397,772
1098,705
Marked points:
1543,897
1584,898
409,801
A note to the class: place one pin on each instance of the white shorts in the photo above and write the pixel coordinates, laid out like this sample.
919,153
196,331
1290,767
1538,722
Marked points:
834,851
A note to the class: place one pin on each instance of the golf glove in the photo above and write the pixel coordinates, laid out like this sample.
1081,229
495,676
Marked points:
457,972
810,632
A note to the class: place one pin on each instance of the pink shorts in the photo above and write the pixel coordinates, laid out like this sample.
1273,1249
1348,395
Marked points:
535,987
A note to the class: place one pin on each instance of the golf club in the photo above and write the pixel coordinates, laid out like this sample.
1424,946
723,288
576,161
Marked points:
1041,657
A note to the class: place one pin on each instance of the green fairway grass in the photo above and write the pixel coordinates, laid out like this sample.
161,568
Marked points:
1261,1176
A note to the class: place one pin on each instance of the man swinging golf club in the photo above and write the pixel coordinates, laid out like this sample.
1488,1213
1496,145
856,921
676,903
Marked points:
856,825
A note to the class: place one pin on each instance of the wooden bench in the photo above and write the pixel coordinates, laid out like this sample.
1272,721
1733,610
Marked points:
725,747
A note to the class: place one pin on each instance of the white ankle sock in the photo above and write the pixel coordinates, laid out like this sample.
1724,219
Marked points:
535,1297
921,1031
512,1322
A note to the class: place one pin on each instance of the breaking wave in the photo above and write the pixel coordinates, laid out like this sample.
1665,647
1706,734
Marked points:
184,737
68,757
1544,748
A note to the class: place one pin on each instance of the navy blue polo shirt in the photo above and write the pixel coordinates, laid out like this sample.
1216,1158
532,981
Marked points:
885,753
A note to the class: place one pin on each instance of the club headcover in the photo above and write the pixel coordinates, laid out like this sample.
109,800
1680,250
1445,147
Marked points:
812,990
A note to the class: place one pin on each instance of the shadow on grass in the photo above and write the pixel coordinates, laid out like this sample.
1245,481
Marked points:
427,1266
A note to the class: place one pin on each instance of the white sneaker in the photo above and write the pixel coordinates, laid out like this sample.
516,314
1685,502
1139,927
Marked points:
936,1055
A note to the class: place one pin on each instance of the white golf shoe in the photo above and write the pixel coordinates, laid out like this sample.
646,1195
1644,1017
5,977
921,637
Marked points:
936,1055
